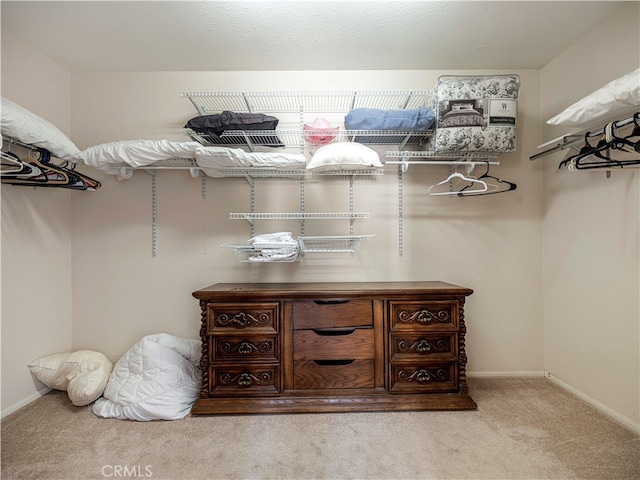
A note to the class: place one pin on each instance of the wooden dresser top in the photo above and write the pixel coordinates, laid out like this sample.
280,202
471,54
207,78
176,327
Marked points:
329,290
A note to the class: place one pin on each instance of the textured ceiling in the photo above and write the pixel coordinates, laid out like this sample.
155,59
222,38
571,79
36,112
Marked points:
300,35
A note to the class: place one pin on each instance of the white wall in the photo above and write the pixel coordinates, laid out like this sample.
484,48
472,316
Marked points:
591,232
491,244
36,234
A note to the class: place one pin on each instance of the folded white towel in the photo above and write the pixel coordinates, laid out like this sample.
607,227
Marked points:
274,247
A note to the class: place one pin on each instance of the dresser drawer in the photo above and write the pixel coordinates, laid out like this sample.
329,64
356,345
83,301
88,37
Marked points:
244,380
424,377
434,346
316,374
257,317
255,348
432,315
333,344
332,313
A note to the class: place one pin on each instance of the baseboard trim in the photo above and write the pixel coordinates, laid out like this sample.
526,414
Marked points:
619,418
24,402
510,373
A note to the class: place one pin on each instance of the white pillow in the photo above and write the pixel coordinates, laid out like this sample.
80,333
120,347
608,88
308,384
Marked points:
614,98
82,374
344,156
27,127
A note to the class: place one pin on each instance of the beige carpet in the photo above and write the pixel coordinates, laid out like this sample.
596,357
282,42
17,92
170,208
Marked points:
524,428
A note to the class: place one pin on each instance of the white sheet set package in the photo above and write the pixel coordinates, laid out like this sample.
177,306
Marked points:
476,113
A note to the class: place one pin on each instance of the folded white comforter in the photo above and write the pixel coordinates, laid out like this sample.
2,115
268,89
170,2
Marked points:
156,379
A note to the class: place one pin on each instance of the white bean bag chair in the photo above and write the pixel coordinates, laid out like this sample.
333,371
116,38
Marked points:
156,379
82,374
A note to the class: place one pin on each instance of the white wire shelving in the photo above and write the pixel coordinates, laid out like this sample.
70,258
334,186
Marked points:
298,138
308,101
251,254
301,103
425,157
253,216
329,245
308,246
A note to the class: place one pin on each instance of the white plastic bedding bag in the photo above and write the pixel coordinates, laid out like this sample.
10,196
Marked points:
156,379
476,113
135,153
214,159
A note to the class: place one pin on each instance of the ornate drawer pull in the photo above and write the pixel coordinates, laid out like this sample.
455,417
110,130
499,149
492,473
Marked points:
423,346
244,319
423,376
245,348
240,320
244,380
424,316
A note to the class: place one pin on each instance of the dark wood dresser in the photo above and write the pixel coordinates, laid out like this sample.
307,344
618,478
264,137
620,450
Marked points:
332,347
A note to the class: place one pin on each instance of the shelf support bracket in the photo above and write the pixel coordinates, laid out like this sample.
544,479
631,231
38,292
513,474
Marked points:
401,169
302,207
154,212
351,180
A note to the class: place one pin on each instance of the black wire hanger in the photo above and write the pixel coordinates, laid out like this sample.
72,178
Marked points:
510,185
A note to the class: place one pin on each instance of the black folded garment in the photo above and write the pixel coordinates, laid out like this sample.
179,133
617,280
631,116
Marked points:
213,127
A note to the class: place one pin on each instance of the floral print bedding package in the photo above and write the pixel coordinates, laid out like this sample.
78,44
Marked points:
475,113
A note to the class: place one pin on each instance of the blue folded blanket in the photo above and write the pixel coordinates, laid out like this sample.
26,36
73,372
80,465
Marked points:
415,120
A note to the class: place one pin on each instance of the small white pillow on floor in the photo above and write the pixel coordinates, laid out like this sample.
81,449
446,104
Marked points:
82,374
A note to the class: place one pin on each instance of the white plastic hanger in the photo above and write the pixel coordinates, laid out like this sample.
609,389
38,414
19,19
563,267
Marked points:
482,185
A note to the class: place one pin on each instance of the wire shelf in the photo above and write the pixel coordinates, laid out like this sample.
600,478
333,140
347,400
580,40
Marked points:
249,254
445,156
370,172
279,138
298,216
337,101
261,172
348,244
